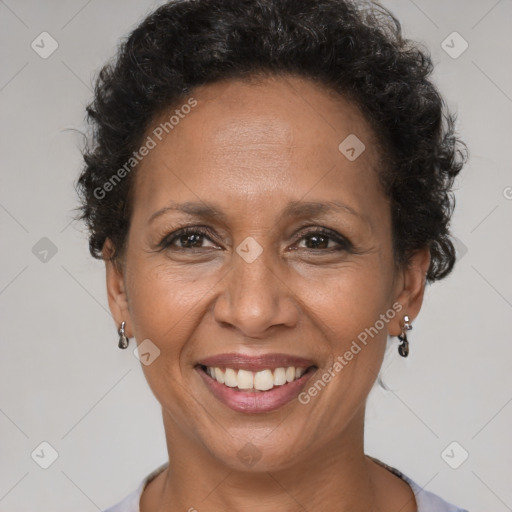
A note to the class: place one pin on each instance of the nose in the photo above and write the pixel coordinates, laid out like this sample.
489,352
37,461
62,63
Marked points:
256,298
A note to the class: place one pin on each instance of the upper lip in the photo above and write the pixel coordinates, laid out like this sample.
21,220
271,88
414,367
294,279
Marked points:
255,362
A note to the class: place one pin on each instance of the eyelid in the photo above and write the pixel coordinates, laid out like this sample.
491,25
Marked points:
302,232
334,235
167,240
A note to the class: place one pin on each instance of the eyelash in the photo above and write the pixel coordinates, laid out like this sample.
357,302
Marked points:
167,241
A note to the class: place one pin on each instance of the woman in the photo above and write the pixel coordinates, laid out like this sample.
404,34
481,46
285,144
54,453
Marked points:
269,185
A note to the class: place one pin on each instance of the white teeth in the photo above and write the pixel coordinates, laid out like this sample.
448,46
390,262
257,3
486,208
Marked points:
219,375
279,376
245,379
261,381
230,378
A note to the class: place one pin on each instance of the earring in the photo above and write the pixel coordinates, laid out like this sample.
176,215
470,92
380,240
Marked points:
123,340
403,348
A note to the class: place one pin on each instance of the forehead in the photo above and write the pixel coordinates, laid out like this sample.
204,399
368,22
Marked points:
264,140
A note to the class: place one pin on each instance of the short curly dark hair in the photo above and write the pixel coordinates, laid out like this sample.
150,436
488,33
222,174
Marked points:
354,48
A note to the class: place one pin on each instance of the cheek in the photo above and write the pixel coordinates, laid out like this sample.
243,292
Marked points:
348,300
349,314
353,311
164,303
166,307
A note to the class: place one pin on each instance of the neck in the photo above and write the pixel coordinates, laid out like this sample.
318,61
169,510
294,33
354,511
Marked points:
337,477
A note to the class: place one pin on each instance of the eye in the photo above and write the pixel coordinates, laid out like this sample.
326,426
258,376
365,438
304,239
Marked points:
324,239
189,238
200,237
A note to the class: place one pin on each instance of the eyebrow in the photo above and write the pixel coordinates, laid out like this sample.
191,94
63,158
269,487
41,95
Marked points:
293,209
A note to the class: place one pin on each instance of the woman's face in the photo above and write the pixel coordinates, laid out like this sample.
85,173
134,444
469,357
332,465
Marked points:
288,255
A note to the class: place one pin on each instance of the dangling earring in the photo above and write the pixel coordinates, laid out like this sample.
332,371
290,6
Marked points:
123,340
403,348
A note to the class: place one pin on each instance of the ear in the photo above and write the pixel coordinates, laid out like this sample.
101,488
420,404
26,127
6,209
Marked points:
116,289
411,288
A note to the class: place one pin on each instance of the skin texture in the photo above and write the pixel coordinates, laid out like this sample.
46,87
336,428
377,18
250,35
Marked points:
249,149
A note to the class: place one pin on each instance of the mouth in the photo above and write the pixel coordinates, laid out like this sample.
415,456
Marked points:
255,384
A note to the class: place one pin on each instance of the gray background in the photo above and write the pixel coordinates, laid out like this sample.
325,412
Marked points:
64,381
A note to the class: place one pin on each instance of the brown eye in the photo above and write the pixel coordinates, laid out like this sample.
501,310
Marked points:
189,238
317,241
323,239
193,240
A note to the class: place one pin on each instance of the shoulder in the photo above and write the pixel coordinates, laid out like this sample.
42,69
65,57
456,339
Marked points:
425,500
430,502
131,503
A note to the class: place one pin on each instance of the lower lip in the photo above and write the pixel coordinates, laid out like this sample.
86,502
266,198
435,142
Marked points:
255,401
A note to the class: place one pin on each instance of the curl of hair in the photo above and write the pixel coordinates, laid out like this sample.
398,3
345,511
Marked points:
355,49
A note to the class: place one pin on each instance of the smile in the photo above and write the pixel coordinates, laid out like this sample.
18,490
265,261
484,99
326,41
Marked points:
263,380
255,383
